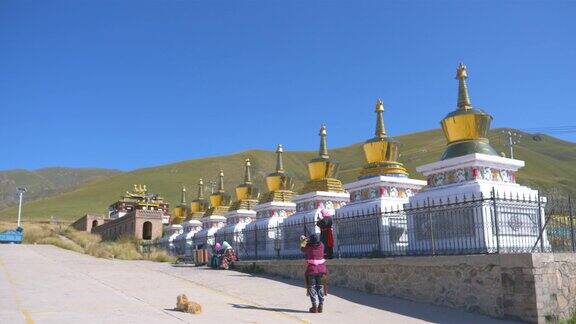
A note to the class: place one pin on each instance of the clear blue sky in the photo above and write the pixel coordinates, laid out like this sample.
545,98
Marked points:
127,84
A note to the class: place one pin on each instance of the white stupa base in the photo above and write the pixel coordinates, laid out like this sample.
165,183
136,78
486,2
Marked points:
183,242
232,232
205,237
261,236
501,216
303,222
372,196
171,232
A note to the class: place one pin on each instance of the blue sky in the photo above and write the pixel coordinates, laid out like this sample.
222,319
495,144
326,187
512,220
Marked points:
127,84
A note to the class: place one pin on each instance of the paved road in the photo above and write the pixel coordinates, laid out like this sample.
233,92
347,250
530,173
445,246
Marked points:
45,284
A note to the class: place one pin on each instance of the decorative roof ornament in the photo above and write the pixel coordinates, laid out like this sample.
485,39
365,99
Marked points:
247,173
466,128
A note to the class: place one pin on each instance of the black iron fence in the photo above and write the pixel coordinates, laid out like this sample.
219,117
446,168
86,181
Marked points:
469,225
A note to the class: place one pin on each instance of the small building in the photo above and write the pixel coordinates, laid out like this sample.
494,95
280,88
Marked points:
140,224
88,222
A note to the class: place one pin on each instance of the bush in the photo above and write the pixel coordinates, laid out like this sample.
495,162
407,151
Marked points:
84,239
34,233
159,256
124,251
65,244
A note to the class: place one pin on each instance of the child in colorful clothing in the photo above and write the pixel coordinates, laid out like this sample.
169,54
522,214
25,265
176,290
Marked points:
315,270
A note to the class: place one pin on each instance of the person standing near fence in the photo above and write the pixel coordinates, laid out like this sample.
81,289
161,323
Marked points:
326,236
315,271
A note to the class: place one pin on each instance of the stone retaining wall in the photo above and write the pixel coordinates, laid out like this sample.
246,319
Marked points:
528,287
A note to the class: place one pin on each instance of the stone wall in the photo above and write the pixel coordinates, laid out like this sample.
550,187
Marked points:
527,287
86,222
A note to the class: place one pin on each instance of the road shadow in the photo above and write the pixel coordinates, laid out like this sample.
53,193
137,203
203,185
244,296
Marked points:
270,309
423,311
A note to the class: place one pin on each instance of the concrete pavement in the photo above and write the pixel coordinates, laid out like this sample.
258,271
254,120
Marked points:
45,284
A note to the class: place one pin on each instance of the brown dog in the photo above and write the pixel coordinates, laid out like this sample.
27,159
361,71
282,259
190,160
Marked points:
187,306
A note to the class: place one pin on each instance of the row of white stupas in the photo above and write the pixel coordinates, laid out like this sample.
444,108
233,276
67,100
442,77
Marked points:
469,167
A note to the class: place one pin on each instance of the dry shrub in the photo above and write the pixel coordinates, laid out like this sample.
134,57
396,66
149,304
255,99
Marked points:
65,244
99,250
124,251
159,256
34,233
4,226
84,239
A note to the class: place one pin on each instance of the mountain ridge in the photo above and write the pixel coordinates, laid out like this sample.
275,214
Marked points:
549,165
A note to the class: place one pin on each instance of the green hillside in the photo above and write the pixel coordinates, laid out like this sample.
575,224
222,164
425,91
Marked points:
45,182
550,163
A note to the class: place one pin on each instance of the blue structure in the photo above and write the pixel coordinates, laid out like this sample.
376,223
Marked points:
12,236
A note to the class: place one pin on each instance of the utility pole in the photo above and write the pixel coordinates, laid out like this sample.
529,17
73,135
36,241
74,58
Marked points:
21,191
513,139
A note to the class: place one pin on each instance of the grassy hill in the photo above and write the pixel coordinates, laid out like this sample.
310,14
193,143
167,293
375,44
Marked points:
45,182
550,163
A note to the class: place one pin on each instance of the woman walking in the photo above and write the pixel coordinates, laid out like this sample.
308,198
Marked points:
315,270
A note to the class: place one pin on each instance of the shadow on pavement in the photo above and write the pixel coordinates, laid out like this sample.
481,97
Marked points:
270,309
423,311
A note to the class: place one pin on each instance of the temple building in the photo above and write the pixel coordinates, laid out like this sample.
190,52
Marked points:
241,212
383,184
139,198
137,214
274,206
213,219
191,224
323,194
471,170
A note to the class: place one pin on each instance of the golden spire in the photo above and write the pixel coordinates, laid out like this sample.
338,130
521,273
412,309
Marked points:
246,194
323,151
247,173
466,128
198,206
279,160
183,196
322,170
463,97
380,130
381,152
220,200
221,182
279,183
201,189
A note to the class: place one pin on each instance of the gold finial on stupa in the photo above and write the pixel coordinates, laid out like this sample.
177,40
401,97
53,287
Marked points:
322,170
279,183
279,160
183,196
181,211
246,194
381,152
380,130
466,128
199,205
220,200
463,97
